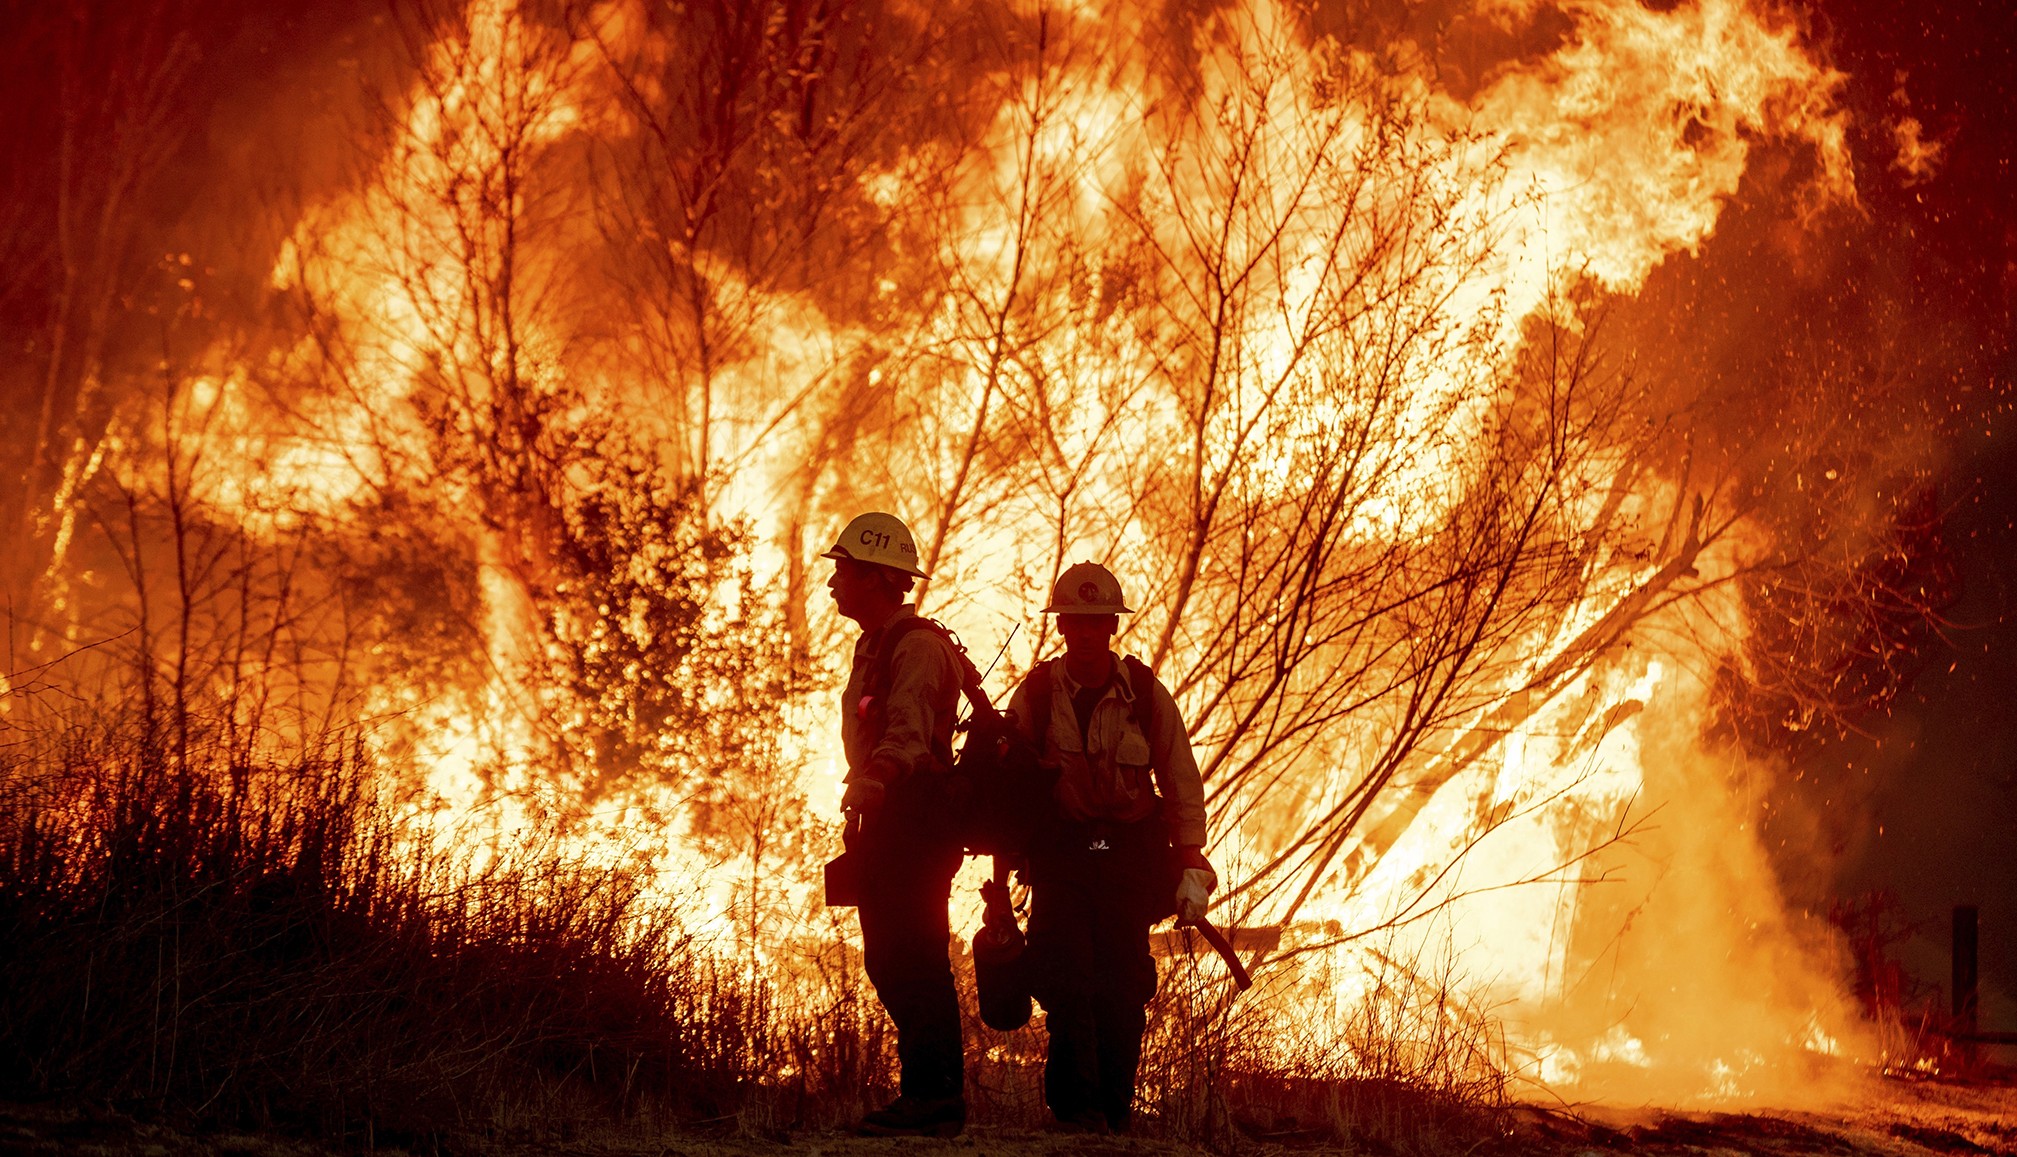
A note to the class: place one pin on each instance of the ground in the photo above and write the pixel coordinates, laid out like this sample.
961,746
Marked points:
1897,1119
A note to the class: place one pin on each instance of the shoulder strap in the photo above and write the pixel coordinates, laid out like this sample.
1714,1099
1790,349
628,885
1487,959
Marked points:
885,656
1142,682
1042,685
885,652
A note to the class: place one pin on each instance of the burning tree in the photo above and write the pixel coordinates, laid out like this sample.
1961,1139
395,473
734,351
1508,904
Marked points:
551,400
445,342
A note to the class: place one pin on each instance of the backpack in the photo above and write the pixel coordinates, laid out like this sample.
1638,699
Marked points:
997,788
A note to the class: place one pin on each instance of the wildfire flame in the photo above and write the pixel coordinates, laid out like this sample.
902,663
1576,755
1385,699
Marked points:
1234,257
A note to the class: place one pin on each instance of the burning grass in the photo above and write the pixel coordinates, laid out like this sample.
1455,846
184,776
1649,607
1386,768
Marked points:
284,943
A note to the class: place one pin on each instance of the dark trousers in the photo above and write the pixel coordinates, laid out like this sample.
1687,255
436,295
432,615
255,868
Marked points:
909,861
1095,890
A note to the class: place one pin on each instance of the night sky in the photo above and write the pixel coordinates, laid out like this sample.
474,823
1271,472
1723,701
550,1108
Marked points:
1930,796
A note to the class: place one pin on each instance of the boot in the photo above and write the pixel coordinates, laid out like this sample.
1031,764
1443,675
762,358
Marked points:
909,1116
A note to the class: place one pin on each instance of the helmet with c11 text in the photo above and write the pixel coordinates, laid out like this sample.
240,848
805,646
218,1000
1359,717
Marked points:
879,538
1087,588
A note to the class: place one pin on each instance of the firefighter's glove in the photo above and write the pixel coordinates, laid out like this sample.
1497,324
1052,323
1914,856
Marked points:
1194,891
863,798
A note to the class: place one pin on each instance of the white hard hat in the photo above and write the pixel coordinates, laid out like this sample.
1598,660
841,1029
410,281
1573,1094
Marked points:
1087,588
879,538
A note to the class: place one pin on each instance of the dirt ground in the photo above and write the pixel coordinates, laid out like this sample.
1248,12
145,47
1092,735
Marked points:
1897,1119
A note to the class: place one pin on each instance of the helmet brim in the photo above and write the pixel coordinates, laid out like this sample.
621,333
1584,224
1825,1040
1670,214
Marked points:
840,552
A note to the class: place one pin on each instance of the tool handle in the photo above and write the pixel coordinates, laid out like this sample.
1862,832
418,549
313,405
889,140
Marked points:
1224,948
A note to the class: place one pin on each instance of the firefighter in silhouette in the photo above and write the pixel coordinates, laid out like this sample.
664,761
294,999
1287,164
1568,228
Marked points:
1124,849
897,717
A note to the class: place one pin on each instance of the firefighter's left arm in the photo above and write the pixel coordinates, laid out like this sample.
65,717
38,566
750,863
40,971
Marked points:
923,685
1176,771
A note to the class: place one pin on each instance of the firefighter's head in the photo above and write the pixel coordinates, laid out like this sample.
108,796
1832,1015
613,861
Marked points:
874,567
1088,602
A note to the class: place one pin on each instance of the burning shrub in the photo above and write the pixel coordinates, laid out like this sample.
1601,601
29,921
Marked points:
671,686
1904,1010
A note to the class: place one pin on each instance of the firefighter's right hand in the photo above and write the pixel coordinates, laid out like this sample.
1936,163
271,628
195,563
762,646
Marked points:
863,798
1194,894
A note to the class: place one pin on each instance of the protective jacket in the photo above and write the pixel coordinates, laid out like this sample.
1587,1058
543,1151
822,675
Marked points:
1112,768
900,733
916,712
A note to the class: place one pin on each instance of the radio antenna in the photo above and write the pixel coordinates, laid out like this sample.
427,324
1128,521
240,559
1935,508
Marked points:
1013,628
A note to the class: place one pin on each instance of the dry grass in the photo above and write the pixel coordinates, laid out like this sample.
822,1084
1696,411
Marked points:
1394,1061
268,943
247,944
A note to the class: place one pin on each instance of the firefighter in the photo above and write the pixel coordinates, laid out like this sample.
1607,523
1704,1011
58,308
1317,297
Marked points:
897,717
1124,849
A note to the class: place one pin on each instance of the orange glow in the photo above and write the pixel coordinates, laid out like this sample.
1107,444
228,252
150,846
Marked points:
1228,268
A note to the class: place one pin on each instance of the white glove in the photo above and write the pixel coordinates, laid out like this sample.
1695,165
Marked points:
1192,894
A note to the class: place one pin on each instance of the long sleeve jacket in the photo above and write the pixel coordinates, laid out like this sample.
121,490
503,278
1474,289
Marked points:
918,710
1112,770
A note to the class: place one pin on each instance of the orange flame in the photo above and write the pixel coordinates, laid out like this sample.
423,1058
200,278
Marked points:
1339,197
